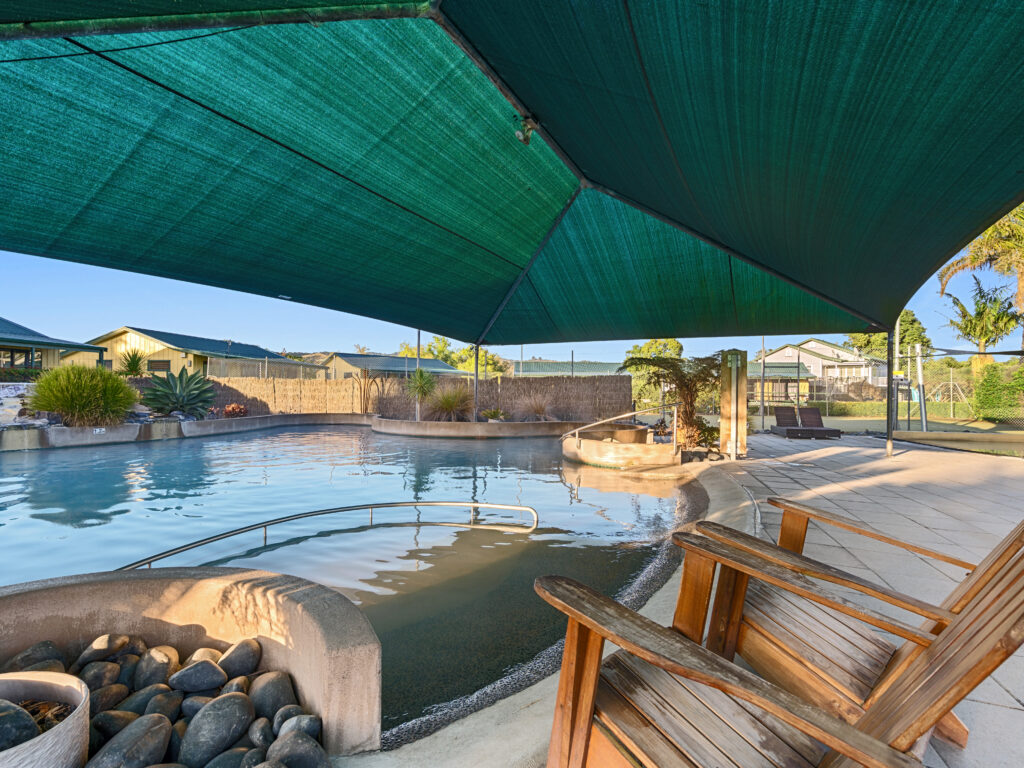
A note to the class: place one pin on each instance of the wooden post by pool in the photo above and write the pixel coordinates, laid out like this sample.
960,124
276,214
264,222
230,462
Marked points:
888,395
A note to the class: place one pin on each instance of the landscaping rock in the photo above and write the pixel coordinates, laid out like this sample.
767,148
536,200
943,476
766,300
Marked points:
286,713
139,745
127,665
297,750
166,704
272,764
139,700
112,722
242,658
16,725
168,765
231,759
308,724
34,654
271,691
215,727
107,697
243,741
203,654
155,666
253,758
50,665
193,704
174,745
238,684
261,733
103,647
97,674
96,740
136,647
198,676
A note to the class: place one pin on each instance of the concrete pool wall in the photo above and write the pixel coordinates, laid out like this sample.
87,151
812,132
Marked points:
315,633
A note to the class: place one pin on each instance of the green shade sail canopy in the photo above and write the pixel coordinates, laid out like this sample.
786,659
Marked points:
692,168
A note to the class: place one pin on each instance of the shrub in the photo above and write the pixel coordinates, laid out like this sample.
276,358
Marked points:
535,407
235,411
19,375
494,413
132,363
83,396
188,393
453,402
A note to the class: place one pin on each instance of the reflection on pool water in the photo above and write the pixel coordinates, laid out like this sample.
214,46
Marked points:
454,608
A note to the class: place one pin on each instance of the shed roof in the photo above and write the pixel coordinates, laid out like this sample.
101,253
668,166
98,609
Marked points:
693,172
13,334
393,363
200,345
779,371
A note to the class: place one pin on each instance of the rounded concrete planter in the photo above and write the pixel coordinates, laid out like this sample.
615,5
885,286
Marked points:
66,745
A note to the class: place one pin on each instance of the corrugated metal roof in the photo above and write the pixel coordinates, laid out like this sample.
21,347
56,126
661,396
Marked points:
201,345
565,368
779,371
394,363
13,333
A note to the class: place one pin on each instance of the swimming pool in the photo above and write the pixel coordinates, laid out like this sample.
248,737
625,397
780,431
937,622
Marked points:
454,608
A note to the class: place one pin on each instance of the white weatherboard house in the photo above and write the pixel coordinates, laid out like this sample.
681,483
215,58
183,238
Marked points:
826,360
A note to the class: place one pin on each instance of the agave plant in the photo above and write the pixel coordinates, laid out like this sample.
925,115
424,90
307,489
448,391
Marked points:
451,403
132,361
189,393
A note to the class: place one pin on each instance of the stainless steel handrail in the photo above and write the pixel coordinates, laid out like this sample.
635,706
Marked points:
473,506
675,413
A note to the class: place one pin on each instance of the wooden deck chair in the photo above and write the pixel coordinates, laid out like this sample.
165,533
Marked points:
810,418
663,700
814,646
787,425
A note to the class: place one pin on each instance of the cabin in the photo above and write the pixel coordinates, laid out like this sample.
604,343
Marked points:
347,365
21,347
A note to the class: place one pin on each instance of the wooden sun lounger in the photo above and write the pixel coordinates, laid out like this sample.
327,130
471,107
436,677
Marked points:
808,642
663,700
810,418
787,425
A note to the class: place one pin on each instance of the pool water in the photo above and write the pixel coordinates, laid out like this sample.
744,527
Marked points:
454,608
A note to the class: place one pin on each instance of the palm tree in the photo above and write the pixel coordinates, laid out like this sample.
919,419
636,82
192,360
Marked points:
1001,248
687,377
993,318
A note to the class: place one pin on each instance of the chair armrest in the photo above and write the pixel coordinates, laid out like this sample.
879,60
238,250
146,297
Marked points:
855,526
809,567
797,583
671,651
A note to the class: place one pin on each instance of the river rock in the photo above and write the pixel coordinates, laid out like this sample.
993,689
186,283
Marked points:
16,725
231,759
284,714
203,654
261,733
155,666
238,684
215,727
193,704
308,724
139,745
243,741
49,665
298,750
169,765
136,647
103,647
174,745
97,674
107,697
139,700
112,722
166,704
96,740
34,654
242,658
127,665
271,691
198,676
253,758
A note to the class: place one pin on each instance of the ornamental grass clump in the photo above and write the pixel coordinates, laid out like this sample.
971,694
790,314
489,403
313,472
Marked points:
453,402
83,396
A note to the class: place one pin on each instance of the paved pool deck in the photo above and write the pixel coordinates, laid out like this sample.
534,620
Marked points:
958,502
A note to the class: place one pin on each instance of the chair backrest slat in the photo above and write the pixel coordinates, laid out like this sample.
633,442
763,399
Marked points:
810,417
785,416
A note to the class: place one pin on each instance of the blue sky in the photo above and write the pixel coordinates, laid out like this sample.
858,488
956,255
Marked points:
79,302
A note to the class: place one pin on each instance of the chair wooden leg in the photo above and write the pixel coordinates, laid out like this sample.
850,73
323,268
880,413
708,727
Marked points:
952,729
694,596
577,688
793,532
727,613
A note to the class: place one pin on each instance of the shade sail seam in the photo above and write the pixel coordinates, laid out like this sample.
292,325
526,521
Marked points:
125,48
660,120
732,252
26,30
457,37
291,149
522,275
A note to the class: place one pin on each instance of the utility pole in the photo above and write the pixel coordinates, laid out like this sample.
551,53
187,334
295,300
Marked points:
898,342
572,363
476,377
521,359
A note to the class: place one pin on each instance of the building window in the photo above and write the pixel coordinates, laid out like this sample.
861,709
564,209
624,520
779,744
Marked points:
158,365
108,364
